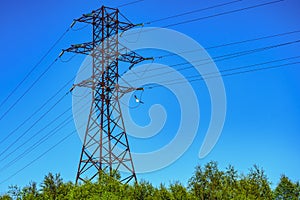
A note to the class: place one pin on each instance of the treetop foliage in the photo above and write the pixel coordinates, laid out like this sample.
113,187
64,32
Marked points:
208,182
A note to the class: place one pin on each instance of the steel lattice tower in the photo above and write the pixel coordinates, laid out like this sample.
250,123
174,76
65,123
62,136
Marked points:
105,130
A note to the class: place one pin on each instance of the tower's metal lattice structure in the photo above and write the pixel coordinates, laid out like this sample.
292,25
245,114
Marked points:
103,129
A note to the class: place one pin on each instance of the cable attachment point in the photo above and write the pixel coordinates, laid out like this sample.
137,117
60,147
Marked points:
73,23
150,58
72,88
61,53
140,24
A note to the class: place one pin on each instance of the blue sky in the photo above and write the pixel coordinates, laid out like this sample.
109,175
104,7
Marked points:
263,109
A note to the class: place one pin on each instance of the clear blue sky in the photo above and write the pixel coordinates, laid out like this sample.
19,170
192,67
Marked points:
263,108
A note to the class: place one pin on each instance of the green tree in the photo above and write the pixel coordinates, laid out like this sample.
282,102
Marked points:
142,191
30,192
286,189
5,197
230,183
198,183
163,193
85,190
51,186
207,182
15,192
179,192
255,185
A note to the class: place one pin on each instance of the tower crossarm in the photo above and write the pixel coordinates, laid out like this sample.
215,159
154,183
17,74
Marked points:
131,57
96,16
84,48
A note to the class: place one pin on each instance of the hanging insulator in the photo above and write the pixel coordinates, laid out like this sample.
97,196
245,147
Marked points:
72,88
61,53
140,24
151,58
138,100
89,14
73,23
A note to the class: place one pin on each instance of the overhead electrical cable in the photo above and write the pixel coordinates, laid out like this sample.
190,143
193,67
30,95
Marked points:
187,21
129,3
8,154
235,43
34,67
39,157
35,145
203,64
28,89
191,12
218,75
10,134
36,122
65,122
223,13
226,56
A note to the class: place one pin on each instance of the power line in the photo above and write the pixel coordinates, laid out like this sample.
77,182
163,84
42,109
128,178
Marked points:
148,23
251,51
253,65
200,78
235,43
261,69
206,17
36,122
229,56
39,157
130,3
220,75
11,133
39,142
28,89
44,138
63,139
254,39
34,135
36,144
223,13
242,53
34,67
188,21
35,112
194,11
1,118
45,103
202,64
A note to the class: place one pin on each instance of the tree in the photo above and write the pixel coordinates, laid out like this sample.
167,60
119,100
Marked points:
286,189
255,185
178,191
14,191
5,197
198,183
207,182
142,191
230,183
51,185
30,192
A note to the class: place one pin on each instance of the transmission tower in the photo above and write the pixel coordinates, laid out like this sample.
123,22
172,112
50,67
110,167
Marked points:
104,130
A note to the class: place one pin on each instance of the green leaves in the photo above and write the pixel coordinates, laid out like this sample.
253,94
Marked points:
208,182
286,189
